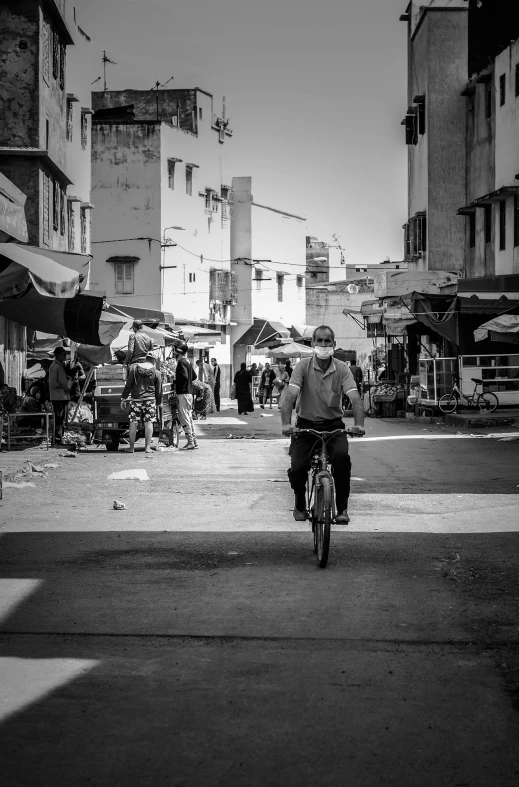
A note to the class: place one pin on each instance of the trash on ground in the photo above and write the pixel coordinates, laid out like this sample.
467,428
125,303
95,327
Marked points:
138,474
118,506
51,464
169,448
267,415
241,437
69,455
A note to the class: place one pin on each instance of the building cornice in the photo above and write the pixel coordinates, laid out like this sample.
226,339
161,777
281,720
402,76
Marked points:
41,154
429,10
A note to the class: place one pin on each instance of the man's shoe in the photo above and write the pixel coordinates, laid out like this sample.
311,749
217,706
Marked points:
299,516
188,447
195,445
342,519
262,406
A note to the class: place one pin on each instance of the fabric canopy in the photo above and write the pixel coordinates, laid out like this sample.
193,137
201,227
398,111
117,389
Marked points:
22,271
302,331
263,331
80,318
504,328
194,333
291,350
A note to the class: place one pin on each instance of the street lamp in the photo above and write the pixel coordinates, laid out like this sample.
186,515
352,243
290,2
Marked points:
168,244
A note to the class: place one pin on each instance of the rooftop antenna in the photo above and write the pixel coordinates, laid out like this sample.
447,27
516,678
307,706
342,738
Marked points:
156,88
106,60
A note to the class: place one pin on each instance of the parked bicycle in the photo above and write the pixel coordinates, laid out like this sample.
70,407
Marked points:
320,493
486,401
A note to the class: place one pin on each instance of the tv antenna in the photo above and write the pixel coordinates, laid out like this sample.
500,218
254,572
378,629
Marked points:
156,87
106,60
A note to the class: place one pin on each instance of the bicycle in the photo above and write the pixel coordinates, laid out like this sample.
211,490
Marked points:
320,493
486,401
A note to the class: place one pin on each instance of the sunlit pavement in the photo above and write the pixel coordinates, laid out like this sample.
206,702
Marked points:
190,638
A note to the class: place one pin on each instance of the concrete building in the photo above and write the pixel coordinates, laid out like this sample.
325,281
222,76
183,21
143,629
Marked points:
161,227
322,260
338,304
437,36
268,253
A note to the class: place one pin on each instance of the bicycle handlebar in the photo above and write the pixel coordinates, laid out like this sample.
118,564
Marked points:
327,434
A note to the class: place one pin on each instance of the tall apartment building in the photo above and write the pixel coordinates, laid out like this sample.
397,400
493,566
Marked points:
268,253
37,104
437,40
161,226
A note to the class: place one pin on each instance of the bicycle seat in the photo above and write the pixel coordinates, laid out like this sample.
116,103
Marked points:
478,382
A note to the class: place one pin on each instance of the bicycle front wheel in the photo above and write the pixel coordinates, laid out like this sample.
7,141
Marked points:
323,520
310,506
448,403
487,402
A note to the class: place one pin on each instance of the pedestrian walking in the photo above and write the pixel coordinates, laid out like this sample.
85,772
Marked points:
320,381
217,374
139,345
288,369
268,376
281,381
184,376
243,382
59,388
203,400
357,376
144,385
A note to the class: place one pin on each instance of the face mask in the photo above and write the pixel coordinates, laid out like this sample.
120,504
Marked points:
323,352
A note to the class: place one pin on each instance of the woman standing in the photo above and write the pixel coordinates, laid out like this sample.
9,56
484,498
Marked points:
243,382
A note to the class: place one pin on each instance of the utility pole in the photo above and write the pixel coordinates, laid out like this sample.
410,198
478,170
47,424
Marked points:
156,88
106,60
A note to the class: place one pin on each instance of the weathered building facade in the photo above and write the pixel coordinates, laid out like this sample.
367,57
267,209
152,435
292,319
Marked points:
161,225
435,133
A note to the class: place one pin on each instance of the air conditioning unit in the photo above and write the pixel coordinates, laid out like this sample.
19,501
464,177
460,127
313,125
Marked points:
352,289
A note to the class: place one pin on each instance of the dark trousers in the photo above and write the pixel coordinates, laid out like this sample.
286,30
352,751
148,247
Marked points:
302,448
217,397
60,411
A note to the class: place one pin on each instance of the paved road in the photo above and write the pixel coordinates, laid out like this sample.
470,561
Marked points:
191,640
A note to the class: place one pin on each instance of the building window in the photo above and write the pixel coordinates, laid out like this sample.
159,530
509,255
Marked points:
192,277
488,101
124,278
488,223
258,278
55,55
45,51
171,174
70,120
516,220
189,181
225,193
208,200
46,208
47,134
84,130
502,225
200,113
502,90
62,220
280,279
300,280
71,217
472,230
62,59
56,206
84,220
517,79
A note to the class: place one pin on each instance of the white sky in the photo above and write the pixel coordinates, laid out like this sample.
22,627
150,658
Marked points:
315,89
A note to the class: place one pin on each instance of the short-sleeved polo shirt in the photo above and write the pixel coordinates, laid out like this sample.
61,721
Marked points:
321,392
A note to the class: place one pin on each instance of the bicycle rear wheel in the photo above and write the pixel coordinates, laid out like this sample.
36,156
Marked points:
323,520
310,506
448,403
487,402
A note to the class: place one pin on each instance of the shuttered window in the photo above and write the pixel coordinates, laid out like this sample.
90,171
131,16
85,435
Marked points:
124,278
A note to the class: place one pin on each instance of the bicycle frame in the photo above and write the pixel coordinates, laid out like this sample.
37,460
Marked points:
317,471
470,399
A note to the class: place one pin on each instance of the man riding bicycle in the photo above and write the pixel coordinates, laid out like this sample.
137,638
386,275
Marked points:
318,383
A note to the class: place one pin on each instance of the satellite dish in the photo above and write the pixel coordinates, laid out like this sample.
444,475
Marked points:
352,289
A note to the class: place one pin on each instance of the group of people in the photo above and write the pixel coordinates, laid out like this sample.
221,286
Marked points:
198,393
273,381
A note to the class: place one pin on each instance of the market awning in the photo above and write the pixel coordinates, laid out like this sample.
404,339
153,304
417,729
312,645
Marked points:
80,318
194,333
262,332
290,350
475,305
298,332
149,316
439,313
21,271
504,328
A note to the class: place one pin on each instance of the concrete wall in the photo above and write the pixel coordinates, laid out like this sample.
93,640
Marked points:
126,171
171,103
325,305
437,69
419,8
